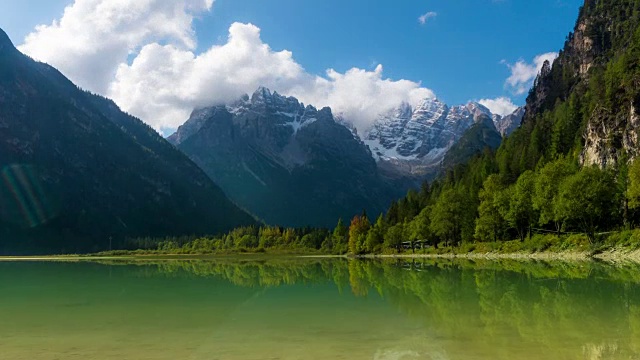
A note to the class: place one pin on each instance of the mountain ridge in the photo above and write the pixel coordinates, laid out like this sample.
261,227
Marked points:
66,158
415,141
289,163
586,101
259,148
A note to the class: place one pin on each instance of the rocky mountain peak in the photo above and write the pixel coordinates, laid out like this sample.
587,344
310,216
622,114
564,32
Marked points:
416,139
429,111
262,94
275,156
478,111
272,102
508,123
594,78
597,32
259,111
325,112
5,43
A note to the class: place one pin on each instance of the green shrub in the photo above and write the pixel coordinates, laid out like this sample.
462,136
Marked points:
487,247
430,250
634,240
541,243
576,242
466,248
510,247
442,249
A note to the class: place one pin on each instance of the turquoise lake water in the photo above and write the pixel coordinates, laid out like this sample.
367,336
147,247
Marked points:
319,309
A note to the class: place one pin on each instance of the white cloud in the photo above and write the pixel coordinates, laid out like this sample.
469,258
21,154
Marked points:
164,83
500,106
141,53
180,81
360,95
94,37
425,17
523,73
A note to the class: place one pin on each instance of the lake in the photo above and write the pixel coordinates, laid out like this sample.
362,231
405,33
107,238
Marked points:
319,309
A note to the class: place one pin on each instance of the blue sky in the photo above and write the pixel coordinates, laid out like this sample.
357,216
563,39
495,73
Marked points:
457,53
461,53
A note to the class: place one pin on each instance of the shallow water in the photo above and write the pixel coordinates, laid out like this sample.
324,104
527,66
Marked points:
319,309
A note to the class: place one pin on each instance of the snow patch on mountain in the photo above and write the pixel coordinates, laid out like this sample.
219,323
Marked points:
423,135
404,139
298,123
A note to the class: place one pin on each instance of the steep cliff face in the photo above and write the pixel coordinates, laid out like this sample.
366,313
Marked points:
608,136
509,123
607,51
586,103
572,65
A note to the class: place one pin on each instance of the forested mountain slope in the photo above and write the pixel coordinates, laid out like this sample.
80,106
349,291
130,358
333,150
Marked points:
570,167
77,174
585,104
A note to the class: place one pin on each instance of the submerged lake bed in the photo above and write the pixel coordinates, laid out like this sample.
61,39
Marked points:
294,308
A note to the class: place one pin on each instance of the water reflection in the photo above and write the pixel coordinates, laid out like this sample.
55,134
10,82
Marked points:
485,310
337,308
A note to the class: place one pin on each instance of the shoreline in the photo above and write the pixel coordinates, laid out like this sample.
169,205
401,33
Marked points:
573,256
612,256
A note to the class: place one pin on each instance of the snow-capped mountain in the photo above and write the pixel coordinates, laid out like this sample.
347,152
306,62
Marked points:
293,164
285,162
415,140
286,115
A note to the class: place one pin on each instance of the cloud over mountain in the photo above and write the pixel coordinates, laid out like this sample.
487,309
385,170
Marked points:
502,106
143,55
523,73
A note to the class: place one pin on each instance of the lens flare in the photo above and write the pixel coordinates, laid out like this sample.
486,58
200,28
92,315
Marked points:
25,200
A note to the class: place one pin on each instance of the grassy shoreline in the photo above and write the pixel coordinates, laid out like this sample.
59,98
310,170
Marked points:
622,246
611,255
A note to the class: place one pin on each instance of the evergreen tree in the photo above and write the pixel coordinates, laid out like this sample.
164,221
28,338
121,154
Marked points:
633,192
588,200
375,236
521,215
340,237
547,184
393,214
394,236
490,224
358,233
447,216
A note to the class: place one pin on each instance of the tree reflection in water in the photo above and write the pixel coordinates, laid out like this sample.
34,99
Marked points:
562,310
